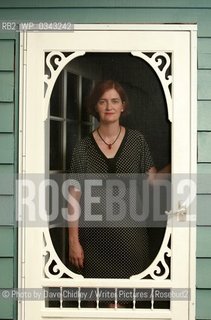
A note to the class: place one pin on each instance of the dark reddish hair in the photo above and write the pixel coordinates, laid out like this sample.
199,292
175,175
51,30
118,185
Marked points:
99,89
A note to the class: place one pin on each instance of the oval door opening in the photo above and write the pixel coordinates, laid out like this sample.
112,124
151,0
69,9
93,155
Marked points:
70,121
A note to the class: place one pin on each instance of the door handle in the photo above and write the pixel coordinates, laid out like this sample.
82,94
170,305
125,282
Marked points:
180,213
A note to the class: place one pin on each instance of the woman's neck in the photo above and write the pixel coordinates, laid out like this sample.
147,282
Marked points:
109,130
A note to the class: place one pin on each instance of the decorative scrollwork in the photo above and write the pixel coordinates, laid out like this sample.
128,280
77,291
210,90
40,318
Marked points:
53,266
160,62
163,63
159,269
55,63
158,273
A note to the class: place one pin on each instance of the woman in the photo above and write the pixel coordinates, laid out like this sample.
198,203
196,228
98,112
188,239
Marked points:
110,149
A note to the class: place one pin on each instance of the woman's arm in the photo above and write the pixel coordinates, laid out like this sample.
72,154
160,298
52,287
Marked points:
76,254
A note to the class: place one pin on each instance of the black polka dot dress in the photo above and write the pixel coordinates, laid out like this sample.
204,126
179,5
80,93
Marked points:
112,250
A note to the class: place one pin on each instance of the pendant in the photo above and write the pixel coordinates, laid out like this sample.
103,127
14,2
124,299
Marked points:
109,146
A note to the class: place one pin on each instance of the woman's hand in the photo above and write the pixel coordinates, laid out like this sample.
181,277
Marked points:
76,254
155,176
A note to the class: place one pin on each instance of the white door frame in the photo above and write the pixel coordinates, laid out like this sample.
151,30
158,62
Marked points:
31,44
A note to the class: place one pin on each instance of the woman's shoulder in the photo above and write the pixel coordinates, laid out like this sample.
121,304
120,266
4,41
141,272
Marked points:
135,134
83,142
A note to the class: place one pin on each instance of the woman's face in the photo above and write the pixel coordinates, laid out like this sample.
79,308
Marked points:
110,106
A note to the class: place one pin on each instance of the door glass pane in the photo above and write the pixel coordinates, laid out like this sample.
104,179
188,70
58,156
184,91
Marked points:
72,96
56,107
56,140
86,87
85,130
72,137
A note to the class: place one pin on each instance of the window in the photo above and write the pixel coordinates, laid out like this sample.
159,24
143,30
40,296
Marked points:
69,120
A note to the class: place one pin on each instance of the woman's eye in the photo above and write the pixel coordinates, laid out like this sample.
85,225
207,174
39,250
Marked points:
101,102
115,101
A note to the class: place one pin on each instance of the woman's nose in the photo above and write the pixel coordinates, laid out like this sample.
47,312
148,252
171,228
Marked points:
108,105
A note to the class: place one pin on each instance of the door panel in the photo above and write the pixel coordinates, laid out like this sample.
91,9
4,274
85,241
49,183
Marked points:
168,52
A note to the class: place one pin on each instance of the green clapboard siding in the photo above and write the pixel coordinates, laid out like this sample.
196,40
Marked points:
204,168
114,15
7,148
204,115
204,84
7,179
203,271
104,4
6,272
8,234
6,242
6,308
6,210
204,147
204,53
204,210
7,86
6,55
203,183
203,242
7,117
203,302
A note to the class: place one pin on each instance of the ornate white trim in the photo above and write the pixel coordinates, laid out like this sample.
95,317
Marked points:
58,59
155,61
55,62
154,270
59,269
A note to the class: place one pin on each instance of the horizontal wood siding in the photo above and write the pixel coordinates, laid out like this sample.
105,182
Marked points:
204,82
7,148
204,53
203,273
109,11
6,179
7,117
7,86
203,310
7,55
203,266
114,15
6,272
204,145
204,207
203,242
8,164
204,114
106,4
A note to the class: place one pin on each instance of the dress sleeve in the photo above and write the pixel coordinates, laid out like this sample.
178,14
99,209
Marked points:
146,157
78,164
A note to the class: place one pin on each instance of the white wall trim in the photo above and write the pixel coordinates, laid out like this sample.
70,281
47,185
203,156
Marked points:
193,166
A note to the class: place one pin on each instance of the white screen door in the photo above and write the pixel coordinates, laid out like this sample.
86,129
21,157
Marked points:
53,61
